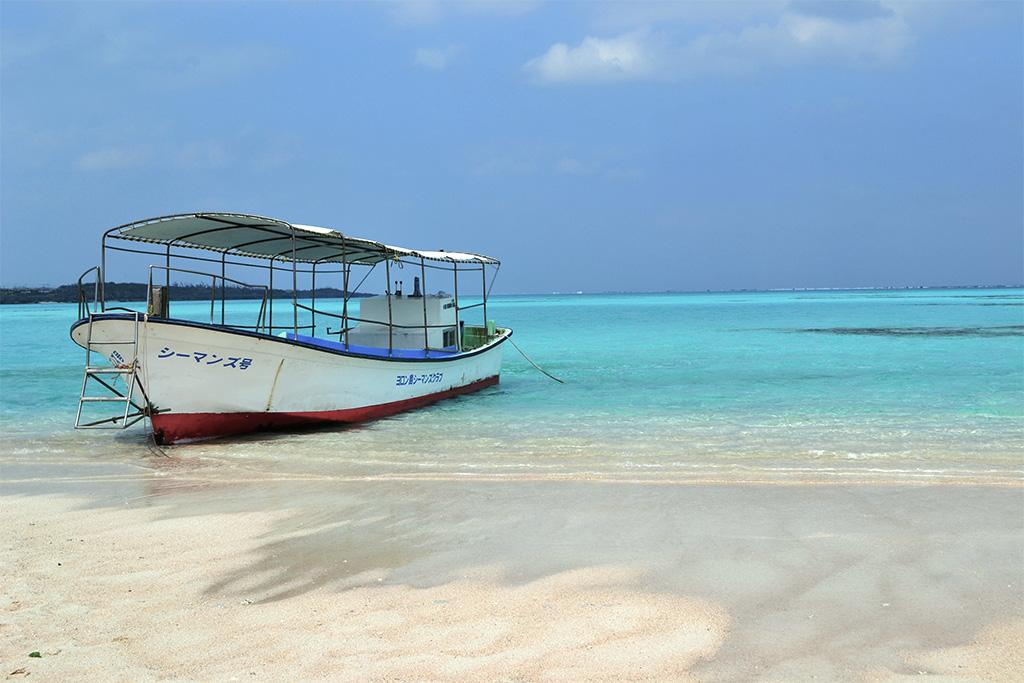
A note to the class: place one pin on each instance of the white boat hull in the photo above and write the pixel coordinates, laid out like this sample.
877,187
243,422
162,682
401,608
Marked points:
205,381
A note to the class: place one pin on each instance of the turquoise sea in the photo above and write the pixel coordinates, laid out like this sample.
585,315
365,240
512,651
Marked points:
916,383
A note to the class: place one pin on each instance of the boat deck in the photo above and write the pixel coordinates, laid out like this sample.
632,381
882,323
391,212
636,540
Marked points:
370,350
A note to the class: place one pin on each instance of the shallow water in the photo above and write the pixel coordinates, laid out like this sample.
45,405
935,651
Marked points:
918,384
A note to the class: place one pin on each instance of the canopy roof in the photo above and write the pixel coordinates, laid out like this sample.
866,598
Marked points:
261,237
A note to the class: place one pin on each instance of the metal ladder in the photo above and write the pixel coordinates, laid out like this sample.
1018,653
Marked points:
127,370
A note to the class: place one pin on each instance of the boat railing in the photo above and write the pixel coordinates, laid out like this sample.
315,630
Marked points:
385,323
347,319
85,305
260,322
253,241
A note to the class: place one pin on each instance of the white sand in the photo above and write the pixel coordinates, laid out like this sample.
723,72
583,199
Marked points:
996,655
172,576
123,595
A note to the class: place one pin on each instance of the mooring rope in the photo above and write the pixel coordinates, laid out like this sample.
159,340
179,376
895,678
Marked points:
153,448
530,361
151,438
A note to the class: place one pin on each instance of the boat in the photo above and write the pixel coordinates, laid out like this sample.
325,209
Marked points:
243,366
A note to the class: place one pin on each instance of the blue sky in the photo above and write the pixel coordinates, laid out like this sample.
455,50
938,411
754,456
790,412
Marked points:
682,146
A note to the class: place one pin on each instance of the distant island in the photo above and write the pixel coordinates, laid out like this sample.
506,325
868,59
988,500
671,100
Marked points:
136,291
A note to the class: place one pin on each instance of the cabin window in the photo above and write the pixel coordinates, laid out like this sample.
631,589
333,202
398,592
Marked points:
449,337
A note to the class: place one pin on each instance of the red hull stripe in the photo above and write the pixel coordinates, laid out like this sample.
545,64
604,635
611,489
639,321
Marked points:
171,427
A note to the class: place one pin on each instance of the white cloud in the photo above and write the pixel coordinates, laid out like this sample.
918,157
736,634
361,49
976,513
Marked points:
114,158
794,39
625,57
858,33
436,58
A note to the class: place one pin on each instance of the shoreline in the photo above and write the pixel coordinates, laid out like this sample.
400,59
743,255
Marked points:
225,470
776,481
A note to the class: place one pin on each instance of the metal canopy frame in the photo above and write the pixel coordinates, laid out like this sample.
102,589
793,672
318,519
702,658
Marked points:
152,230
343,252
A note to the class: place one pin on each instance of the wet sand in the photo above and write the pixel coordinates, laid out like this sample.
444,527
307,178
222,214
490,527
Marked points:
127,573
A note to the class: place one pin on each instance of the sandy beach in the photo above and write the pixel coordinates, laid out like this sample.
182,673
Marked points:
135,574
509,341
